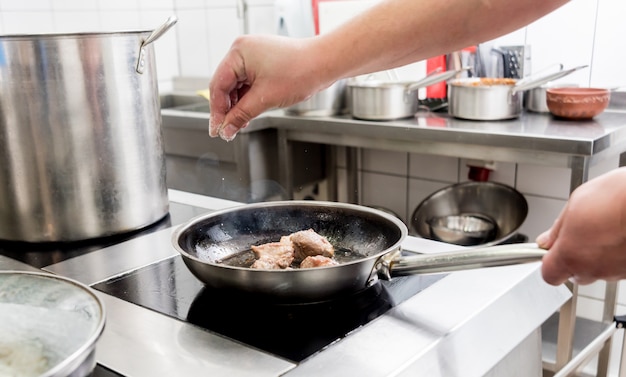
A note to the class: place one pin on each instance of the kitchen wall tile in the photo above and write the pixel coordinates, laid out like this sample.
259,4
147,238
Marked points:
541,215
119,20
384,161
156,4
604,166
190,4
564,36
543,180
594,290
223,27
221,4
30,5
252,3
388,191
261,19
418,191
76,21
27,22
621,295
437,168
91,5
608,54
193,43
118,4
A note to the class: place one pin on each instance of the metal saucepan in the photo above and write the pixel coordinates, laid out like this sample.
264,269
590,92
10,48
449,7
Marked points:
535,98
481,98
388,100
216,249
330,101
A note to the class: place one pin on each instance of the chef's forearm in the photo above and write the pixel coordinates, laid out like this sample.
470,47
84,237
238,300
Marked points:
399,32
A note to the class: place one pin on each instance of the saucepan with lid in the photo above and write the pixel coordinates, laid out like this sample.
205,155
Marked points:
216,247
484,98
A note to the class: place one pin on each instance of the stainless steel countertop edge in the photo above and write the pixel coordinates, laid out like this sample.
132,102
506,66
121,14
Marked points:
538,132
436,332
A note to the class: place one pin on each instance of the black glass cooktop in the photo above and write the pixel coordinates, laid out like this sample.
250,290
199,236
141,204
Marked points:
291,331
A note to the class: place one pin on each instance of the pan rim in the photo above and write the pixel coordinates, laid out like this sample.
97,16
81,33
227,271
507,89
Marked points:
178,231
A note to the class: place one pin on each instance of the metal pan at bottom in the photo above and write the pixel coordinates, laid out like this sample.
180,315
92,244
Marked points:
49,325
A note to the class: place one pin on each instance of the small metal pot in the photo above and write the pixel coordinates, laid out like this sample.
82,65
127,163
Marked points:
330,101
389,100
535,99
493,98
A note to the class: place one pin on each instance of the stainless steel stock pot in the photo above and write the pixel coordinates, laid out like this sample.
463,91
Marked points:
81,152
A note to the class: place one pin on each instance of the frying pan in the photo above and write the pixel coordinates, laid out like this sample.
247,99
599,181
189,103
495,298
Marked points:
216,249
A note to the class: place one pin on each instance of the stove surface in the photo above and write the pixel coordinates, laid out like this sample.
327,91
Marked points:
290,331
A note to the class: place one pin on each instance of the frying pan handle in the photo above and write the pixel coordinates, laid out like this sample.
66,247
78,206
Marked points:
466,259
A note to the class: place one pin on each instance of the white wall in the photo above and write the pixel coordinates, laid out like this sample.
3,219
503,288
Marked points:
581,32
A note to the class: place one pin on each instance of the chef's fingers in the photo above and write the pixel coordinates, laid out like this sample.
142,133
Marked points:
227,80
251,103
546,239
553,269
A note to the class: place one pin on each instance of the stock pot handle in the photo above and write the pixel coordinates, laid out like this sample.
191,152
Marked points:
156,34
466,259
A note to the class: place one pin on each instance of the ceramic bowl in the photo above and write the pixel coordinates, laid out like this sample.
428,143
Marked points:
577,103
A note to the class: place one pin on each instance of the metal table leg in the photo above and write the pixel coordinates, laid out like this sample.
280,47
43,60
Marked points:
285,163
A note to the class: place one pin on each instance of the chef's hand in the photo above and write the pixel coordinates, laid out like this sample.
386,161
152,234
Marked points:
257,74
588,240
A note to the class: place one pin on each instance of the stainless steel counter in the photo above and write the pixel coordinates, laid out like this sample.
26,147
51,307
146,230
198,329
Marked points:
463,325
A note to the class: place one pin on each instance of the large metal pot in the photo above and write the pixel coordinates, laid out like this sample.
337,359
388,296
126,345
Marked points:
49,325
216,249
81,152
480,98
389,100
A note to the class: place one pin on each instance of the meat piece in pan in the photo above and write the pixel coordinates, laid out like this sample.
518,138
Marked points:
274,255
313,261
307,242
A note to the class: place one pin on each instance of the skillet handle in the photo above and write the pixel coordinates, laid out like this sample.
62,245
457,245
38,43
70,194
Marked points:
466,259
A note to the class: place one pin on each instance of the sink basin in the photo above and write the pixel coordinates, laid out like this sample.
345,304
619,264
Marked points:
184,102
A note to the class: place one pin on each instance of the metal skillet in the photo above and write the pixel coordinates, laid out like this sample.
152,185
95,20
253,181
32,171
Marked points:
216,249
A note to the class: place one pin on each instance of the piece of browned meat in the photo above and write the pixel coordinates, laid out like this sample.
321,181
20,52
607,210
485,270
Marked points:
307,242
313,261
274,255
